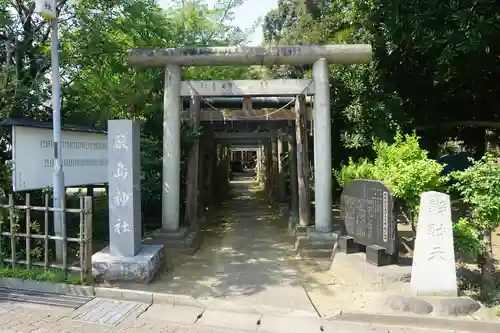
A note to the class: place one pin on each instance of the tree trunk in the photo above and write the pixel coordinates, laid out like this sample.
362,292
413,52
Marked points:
487,263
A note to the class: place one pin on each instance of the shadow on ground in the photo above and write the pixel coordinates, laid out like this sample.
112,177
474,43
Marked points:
247,256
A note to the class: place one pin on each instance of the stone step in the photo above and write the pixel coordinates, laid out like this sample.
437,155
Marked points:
314,253
327,245
188,244
176,244
308,243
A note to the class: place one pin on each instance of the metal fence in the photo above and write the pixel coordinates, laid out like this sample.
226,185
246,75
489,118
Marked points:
12,216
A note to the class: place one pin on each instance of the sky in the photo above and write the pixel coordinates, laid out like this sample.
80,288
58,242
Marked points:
247,14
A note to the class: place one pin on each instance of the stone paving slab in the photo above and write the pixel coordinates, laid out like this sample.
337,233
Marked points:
233,320
175,314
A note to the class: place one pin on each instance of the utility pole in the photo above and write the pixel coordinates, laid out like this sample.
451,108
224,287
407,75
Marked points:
48,10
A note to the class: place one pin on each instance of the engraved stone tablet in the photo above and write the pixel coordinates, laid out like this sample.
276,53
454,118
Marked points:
433,270
366,208
124,187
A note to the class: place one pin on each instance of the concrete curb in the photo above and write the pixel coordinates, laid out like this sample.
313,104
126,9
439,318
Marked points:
477,326
146,297
90,291
47,287
203,303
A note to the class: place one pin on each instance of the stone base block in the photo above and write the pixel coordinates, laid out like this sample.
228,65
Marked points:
301,230
171,239
348,245
181,233
202,221
193,241
283,209
140,268
182,239
408,304
439,306
377,256
316,235
458,306
354,269
293,220
314,244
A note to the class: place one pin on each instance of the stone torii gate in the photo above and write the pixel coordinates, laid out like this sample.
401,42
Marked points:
318,55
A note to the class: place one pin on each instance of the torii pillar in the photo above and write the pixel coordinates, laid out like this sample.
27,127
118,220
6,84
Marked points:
171,59
322,147
171,166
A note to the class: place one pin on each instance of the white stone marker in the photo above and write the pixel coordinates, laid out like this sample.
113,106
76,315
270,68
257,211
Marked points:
433,271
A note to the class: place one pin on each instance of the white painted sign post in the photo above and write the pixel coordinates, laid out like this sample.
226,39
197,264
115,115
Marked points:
85,158
433,270
46,8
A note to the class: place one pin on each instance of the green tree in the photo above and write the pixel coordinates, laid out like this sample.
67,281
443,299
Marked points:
479,187
433,70
96,82
404,167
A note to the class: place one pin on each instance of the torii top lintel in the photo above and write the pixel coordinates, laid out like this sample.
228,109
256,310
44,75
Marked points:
249,55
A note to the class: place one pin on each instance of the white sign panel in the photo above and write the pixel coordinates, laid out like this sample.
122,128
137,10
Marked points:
84,154
46,8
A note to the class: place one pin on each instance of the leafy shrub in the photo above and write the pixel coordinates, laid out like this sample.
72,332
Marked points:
467,239
479,187
363,169
402,166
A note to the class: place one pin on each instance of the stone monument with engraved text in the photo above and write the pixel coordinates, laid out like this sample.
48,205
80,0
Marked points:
126,258
433,270
366,210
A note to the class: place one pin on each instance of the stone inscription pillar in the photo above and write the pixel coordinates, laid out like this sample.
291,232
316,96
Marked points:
124,187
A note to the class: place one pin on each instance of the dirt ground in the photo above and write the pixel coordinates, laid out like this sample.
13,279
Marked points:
248,258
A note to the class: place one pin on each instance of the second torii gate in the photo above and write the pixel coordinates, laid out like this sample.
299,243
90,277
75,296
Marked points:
318,55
